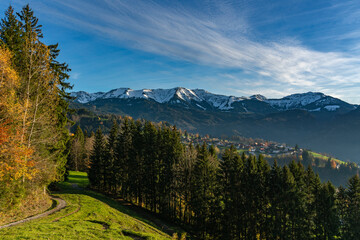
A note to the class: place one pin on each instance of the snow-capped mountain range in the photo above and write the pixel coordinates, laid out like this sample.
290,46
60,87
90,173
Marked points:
204,100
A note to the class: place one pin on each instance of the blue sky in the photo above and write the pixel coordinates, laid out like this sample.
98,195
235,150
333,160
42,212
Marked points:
239,48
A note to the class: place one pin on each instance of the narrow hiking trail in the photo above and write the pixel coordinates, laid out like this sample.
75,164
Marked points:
60,205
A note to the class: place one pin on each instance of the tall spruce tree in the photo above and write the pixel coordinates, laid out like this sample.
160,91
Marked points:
326,218
122,166
203,197
11,34
96,170
151,164
351,219
109,174
231,190
300,228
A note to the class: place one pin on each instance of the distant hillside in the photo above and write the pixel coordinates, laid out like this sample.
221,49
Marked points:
313,120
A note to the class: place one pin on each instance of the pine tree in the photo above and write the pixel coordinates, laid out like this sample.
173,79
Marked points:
10,34
300,228
203,197
109,173
137,162
122,167
95,174
186,169
307,158
326,218
250,189
352,215
151,164
231,190
60,71
342,202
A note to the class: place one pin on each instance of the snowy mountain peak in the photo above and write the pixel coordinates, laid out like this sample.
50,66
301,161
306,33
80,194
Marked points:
310,96
258,97
179,94
298,100
186,94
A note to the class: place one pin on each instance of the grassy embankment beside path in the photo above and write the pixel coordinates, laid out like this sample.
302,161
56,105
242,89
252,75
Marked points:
89,215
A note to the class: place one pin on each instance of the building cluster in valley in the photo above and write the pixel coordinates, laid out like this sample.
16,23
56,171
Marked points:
249,146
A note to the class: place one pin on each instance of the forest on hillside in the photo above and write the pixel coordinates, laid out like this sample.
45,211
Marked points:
231,197
33,108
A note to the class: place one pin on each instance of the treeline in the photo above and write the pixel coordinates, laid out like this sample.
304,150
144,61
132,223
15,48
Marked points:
33,106
90,121
328,169
235,197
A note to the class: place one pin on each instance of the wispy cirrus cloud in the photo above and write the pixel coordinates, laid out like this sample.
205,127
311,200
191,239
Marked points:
217,34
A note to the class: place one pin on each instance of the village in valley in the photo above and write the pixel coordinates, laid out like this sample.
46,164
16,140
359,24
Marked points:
242,144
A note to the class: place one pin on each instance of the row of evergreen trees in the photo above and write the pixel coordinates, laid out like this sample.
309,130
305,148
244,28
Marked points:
235,197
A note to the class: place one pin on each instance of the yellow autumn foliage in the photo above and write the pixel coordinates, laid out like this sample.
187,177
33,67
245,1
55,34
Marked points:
15,157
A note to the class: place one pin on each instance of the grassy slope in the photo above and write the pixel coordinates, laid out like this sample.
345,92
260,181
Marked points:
89,215
318,155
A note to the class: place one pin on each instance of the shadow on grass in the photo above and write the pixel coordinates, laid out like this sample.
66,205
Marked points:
79,178
136,212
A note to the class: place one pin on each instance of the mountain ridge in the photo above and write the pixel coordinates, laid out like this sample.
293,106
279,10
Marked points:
202,99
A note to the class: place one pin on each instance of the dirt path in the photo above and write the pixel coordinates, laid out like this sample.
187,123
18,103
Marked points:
60,205
77,210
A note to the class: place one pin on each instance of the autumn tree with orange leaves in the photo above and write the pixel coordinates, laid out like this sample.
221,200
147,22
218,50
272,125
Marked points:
16,164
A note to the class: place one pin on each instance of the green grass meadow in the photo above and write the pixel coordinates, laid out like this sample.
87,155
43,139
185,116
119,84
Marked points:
88,215
323,157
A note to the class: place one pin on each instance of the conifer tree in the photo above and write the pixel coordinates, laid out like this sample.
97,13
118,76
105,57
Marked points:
307,158
203,188
123,147
95,174
342,202
351,229
186,169
109,161
10,34
275,198
300,228
326,218
137,162
151,164
230,178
